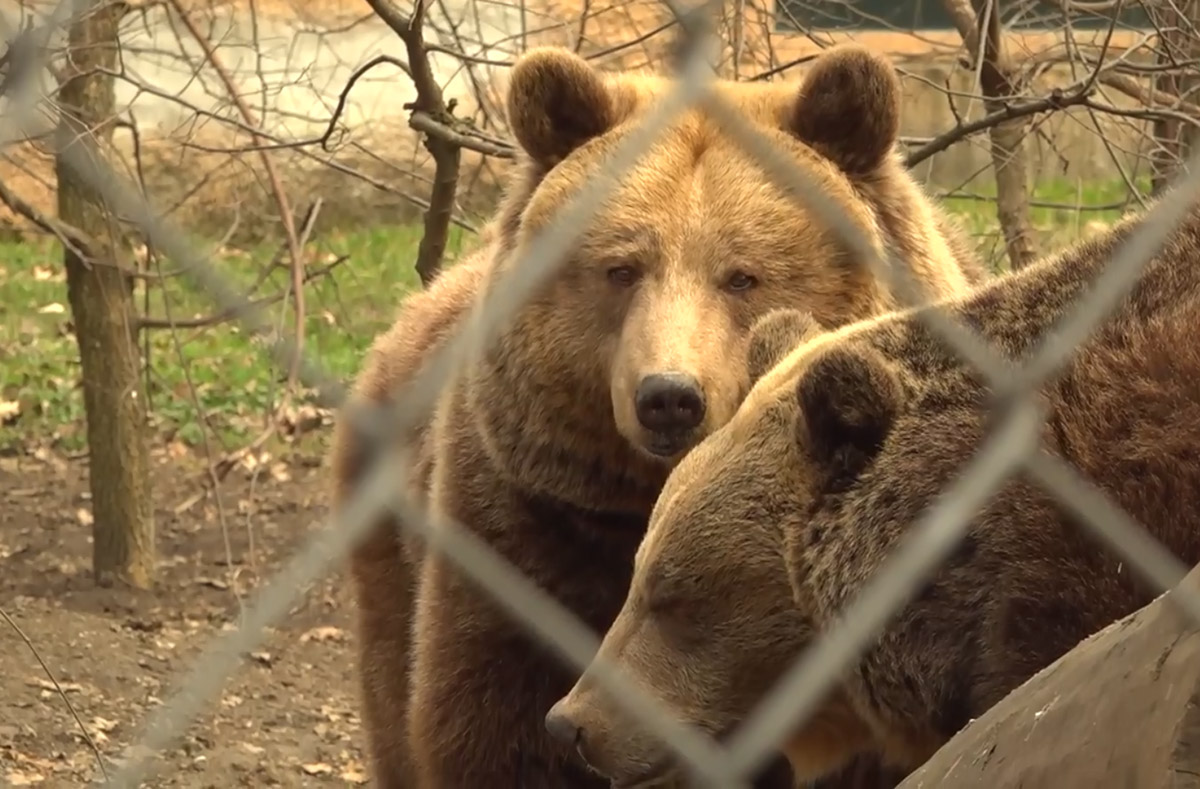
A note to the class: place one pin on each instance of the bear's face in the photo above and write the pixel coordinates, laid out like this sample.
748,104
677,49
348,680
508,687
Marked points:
709,623
654,306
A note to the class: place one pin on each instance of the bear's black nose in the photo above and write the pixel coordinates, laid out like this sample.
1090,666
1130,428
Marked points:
669,402
561,727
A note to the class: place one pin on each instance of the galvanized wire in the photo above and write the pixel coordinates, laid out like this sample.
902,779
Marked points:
1012,447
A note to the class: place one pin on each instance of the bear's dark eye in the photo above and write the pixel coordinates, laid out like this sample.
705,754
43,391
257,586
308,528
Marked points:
658,592
740,280
623,276
664,604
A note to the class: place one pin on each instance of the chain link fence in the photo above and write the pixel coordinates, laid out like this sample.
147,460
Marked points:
1010,449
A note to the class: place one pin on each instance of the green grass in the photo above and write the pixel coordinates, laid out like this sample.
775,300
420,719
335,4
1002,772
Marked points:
235,384
215,376
1075,205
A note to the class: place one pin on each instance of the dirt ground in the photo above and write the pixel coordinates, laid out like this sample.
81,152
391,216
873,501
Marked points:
288,716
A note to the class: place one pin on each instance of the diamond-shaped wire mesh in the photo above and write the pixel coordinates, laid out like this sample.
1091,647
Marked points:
1011,448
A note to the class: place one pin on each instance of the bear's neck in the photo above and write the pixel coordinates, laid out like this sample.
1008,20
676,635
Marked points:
556,441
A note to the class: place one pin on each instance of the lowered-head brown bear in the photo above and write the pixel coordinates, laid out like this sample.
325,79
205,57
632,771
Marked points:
769,528
553,445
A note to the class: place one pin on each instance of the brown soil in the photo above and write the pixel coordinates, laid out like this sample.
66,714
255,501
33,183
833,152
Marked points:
287,717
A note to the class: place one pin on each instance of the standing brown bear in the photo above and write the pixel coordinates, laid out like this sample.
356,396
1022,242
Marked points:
554,444
770,527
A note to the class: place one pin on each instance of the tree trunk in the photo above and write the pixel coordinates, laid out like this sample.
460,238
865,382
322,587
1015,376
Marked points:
1121,709
102,307
1007,140
1177,45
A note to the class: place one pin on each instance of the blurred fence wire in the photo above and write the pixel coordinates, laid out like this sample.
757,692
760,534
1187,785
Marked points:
1011,448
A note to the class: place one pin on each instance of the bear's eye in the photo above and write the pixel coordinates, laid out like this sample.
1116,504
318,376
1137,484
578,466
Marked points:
740,280
663,595
623,276
664,604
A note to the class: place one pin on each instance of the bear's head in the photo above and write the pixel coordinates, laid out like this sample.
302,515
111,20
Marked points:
709,623
645,327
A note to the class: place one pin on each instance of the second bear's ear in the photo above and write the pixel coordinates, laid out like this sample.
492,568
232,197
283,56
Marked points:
556,102
849,398
775,335
849,108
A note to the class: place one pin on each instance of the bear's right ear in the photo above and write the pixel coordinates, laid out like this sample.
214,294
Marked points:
776,334
556,102
850,397
849,108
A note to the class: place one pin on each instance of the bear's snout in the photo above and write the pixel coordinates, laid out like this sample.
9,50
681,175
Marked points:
562,727
671,406
622,755
563,723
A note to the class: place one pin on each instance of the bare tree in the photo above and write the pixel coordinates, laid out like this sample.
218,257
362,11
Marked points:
102,306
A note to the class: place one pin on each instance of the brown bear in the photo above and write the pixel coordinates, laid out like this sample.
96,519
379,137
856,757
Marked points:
553,444
767,530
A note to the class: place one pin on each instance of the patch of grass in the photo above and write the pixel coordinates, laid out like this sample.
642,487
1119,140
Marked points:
234,383
1061,212
215,376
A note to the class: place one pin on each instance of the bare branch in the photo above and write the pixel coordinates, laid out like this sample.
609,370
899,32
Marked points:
62,694
447,156
285,211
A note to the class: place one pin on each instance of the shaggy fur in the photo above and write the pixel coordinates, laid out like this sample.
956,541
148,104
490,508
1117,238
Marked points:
538,447
769,528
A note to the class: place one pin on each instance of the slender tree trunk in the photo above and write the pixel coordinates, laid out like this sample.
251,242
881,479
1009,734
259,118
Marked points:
1007,139
102,307
1179,44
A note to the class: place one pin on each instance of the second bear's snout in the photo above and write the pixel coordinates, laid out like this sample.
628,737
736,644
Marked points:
562,727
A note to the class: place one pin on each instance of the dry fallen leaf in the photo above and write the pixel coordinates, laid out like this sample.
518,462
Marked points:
326,633
53,308
318,768
353,775
16,778
280,472
84,517
10,411
45,456
301,419
99,729
45,684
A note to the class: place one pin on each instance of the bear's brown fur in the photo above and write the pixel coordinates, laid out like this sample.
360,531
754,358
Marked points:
835,454
539,447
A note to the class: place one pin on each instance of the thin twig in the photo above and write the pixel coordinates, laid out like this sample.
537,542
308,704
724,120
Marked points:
62,693
226,315
285,211
70,237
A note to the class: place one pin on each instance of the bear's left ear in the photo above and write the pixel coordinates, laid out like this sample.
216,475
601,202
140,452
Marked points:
556,102
776,334
848,109
849,398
